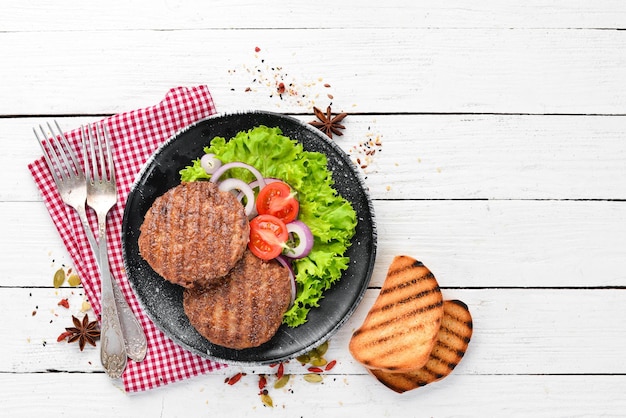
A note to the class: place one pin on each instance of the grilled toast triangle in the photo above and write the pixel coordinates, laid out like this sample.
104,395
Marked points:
452,342
400,330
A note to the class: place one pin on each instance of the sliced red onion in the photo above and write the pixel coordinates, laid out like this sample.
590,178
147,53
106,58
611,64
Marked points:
236,164
292,277
210,163
254,184
305,237
245,190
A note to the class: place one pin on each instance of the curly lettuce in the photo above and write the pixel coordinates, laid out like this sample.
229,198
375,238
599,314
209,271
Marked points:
329,216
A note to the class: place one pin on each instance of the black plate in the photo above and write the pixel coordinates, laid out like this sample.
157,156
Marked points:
162,301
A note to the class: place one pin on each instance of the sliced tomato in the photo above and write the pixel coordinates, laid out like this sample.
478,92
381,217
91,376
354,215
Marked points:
268,235
277,199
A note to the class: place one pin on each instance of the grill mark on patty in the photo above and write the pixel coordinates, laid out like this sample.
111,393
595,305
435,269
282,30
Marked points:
194,234
245,309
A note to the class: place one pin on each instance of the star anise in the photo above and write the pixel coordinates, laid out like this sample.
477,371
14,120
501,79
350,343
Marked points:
327,123
84,332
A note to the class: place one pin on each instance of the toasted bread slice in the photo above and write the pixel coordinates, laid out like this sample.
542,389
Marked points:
452,341
400,329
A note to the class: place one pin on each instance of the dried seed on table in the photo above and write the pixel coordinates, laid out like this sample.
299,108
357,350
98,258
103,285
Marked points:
313,378
73,280
267,400
330,365
322,349
262,381
282,381
315,370
234,379
59,278
304,358
319,361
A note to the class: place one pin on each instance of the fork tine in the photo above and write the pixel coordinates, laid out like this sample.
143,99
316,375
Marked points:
46,154
69,151
107,143
85,141
103,162
64,167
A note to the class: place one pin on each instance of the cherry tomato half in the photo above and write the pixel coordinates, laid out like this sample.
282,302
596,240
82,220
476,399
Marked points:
277,199
268,234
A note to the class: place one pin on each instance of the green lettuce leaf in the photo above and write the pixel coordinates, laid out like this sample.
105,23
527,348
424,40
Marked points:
330,217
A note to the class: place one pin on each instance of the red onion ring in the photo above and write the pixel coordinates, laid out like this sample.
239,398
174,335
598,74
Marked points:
305,236
292,277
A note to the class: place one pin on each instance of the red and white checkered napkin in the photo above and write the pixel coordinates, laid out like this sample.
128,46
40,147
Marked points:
135,136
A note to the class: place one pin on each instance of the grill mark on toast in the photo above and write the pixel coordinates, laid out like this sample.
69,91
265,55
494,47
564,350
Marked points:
386,323
450,365
390,304
452,342
402,267
407,283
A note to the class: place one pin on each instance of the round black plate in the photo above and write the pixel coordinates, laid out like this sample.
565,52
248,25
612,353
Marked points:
162,301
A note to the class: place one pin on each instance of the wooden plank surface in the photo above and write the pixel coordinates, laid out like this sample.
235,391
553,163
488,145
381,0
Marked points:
500,71
501,166
500,157
466,244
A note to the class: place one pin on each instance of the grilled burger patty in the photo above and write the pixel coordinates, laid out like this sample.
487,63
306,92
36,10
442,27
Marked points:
194,234
246,308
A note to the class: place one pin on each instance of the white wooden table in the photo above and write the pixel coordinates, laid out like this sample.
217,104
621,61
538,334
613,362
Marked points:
503,168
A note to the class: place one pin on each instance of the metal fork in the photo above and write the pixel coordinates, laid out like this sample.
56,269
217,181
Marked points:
66,172
134,337
101,197
72,186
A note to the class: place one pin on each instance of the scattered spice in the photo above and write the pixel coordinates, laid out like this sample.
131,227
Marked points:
313,377
73,279
64,302
262,381
282,381
234,379
267,400
281,371
363,153
265,77
63,336
318,361
330,365
327,123
59,278
83,331
85,306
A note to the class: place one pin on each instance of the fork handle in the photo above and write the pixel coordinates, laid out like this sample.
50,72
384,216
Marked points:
112,348
82,214
134,337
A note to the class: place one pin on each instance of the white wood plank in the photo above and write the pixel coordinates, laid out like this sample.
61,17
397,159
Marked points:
38,15
75,395
436,156
391,70
516,332
465,243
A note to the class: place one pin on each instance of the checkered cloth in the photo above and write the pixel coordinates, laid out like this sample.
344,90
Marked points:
135,136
